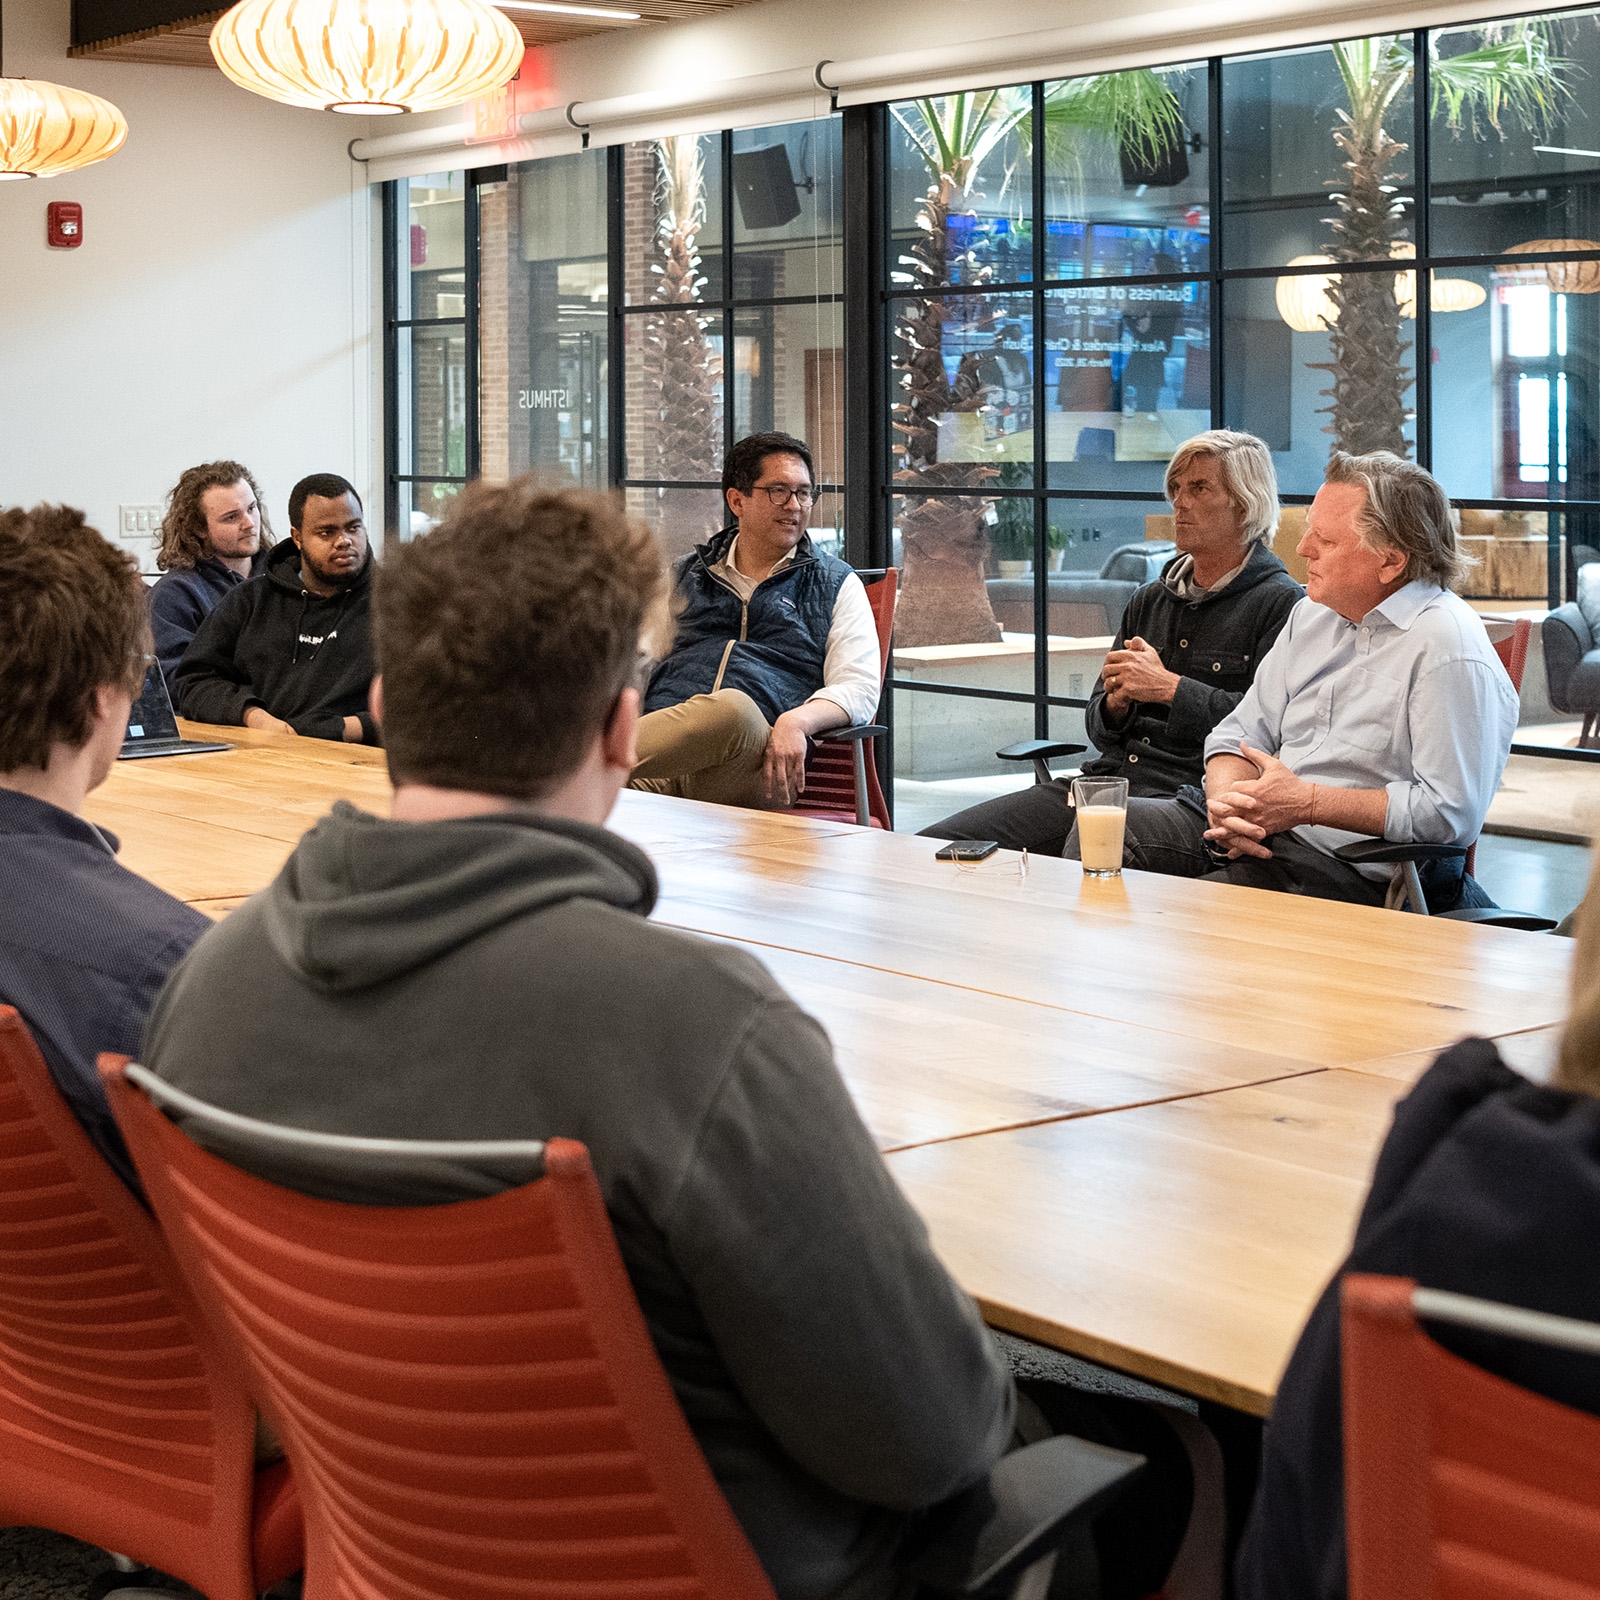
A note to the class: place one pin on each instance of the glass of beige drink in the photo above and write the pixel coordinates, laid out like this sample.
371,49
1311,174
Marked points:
1102,815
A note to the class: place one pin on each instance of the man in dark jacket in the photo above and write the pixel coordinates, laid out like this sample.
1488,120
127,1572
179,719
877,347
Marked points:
1487,1185
215,535
480,965
775,642
85,945
1186,650
291,650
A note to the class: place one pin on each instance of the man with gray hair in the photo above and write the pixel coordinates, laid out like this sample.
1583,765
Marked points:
1185,652
1382,711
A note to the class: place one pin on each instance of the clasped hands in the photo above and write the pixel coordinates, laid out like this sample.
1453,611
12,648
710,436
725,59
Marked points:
1244,813
1134,673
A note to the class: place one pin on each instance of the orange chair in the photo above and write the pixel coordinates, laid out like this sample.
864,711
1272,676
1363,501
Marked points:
121,1422
1458,1484
841,776
468,1391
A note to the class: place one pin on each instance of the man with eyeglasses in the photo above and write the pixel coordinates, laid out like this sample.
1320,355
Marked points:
775,642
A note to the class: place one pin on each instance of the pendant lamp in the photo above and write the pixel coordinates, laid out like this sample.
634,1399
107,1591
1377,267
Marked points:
47,128
1304,303
1564,277
367,57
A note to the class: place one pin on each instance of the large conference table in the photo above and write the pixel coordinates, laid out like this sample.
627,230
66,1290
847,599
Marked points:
1138,1115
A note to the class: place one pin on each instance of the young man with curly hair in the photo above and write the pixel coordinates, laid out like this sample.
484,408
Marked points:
215,535
84,944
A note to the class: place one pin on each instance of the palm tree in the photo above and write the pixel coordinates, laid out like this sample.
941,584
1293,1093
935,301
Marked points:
1514,70
683,367
944,540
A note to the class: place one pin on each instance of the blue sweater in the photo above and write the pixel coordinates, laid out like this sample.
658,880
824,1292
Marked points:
85,946
181,600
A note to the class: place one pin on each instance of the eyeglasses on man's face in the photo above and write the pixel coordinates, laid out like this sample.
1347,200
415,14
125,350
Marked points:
780,494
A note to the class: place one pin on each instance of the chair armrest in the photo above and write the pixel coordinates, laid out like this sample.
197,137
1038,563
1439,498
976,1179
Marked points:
988,1534
1367,852
862,730
1499,917
1039,749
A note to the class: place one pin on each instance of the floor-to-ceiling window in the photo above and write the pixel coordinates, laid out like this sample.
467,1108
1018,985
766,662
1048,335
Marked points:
730,321
431,421
1054,284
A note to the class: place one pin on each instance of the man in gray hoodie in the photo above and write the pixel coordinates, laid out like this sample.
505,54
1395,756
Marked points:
479,965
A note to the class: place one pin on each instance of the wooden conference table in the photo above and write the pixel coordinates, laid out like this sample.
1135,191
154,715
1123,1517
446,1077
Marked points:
1138,1115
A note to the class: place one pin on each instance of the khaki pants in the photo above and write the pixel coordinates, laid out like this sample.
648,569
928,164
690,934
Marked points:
712,747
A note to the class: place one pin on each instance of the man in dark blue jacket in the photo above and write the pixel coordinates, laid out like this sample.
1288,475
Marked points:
776,642
215,535
84,944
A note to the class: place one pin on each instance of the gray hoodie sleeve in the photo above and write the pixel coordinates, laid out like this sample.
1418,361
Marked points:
816,1279
211,685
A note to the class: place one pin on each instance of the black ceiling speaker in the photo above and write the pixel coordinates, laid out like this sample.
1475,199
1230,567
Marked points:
1158,163
764,182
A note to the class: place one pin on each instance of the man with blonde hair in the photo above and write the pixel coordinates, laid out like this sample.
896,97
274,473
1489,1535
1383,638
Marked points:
1185,651
215,535
1382,711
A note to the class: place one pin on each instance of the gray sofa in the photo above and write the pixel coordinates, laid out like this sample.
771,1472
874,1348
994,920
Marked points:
1571,638
1082,604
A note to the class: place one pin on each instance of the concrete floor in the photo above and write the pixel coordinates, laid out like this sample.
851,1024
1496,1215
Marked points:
1534,875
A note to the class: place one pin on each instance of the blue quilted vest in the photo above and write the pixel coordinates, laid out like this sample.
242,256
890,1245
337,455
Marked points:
773,648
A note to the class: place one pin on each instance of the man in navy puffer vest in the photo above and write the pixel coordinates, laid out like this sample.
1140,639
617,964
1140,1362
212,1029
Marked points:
775,642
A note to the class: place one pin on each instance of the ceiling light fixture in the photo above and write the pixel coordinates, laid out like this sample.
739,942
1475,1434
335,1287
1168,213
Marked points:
1563,150
47,128
369,58
601,12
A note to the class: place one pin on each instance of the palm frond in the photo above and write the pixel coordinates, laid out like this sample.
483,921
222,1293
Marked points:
1136,109
1515,71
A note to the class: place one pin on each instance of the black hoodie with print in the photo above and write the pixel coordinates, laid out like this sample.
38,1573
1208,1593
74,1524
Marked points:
274,644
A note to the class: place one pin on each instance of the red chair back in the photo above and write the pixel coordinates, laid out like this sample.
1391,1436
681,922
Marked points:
121,1422
831,769
1458,1484
468,1392
1513,651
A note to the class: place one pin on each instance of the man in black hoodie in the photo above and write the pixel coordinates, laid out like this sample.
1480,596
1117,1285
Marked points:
479,965
291,649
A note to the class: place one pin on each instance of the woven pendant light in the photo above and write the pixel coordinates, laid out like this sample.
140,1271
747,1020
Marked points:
1303,300
367,57
1564,277
47,128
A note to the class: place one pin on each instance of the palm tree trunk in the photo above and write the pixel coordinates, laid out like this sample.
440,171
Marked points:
682,364
944,542
1368,366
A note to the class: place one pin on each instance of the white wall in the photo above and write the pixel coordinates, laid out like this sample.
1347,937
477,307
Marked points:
222,303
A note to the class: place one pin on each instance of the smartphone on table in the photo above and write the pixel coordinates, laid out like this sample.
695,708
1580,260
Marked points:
966,850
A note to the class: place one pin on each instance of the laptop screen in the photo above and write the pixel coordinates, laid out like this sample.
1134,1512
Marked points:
151,717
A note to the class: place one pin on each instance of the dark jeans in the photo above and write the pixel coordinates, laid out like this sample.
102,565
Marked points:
1167,836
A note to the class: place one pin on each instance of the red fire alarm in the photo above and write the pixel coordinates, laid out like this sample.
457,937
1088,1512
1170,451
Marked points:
64,224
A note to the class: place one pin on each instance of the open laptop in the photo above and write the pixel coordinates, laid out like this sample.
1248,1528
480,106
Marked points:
152,728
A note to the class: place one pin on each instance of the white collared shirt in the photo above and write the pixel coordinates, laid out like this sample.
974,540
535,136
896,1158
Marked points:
852,667
1411,699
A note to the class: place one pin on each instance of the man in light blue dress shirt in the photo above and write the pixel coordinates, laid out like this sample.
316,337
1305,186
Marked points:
1381,711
